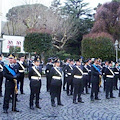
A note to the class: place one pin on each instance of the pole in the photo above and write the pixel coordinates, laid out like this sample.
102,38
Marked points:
116,53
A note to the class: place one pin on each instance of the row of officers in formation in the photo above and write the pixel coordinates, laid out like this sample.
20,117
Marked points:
75,77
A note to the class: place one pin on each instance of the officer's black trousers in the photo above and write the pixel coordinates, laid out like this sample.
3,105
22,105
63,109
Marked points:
21,81
115,82
55,91
48,83
95,89
69,86
32,95
1,81
77,90
109,87
85,83
8,92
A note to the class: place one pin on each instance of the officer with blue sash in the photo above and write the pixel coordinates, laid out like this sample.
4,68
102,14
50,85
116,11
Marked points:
95,72
11,76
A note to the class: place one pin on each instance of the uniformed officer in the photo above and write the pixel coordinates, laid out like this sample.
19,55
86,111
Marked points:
95,72
22,66
47,71
56,83
109,81
77,82
11,74
68,74
103,73
64,79
116,72
89,68
85,76
1,75
35,83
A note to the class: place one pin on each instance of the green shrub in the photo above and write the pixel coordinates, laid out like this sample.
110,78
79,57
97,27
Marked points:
98,46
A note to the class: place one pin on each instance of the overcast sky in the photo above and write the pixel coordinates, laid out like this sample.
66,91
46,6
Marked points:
7,4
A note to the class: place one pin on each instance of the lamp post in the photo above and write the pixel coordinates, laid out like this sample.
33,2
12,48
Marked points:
116,49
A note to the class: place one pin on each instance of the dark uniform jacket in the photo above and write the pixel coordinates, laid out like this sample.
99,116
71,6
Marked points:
20,68
116,72
94,74
48,68
108,72
53,72
76,72
1,69
68,71
9,77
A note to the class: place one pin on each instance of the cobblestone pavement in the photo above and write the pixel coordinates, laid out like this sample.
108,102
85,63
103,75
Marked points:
97,110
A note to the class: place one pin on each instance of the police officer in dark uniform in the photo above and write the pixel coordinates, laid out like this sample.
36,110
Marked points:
47,71
11,74
68,74
109,81
77,82
95,72
56,83
1,75
65,77
35,83
85,76
22,66
103,73
89,67
116,72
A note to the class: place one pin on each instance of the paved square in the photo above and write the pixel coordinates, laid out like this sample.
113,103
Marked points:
98,110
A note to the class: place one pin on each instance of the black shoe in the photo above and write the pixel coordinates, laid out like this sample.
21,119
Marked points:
60,104
80,101
31,107
5,111
53,105
107,97
112,97
97,99
87,93
38,107
15,110
117,89
119,95
75,102
23,93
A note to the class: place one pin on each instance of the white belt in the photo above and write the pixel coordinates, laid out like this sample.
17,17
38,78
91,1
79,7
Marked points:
21,71
110,76
35,77
85,73
77,76
69,73
56,77
116,72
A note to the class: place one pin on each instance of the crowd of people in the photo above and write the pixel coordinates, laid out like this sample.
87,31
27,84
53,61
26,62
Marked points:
74,76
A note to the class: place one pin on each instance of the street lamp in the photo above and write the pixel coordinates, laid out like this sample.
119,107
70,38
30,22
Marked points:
116,48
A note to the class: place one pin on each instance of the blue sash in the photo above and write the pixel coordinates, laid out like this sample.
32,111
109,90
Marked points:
96,68
10,70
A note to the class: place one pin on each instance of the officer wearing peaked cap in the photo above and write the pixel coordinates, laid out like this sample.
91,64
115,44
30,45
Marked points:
22,67
49,65
85,76
95,72
11,74
1,74
56,83
35,83
109,81
77,74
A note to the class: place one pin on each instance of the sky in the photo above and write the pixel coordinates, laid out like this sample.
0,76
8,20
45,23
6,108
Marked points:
7,4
